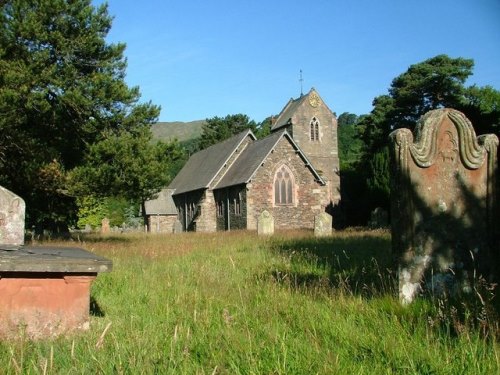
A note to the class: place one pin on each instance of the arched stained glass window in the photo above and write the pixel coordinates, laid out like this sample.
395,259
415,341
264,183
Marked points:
314,125
283,186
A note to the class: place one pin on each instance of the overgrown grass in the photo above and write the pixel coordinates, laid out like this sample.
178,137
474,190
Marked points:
235,303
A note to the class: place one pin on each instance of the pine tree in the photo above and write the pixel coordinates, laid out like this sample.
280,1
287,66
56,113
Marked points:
62,90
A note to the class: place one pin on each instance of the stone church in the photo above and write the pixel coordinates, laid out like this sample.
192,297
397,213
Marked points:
292,173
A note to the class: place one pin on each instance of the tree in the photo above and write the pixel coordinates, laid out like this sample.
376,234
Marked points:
349,143
346,119
434,83
126,165
263,129
62,90
217,129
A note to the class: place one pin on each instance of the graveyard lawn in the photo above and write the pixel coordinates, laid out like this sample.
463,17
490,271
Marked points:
237,303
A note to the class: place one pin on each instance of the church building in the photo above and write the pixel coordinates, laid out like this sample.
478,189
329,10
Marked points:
292,173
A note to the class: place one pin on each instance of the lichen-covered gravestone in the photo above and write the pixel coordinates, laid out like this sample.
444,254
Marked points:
12,210
265,224
322,225
443,205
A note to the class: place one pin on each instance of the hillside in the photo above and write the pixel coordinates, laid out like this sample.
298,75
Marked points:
182,131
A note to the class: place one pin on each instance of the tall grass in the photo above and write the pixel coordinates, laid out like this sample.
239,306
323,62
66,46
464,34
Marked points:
235,303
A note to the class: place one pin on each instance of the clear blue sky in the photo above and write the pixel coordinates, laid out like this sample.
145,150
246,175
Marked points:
203,58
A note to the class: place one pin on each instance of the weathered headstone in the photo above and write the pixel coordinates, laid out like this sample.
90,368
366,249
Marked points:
322,225
105,228
265,224
443,205
12,210
378,218
177,226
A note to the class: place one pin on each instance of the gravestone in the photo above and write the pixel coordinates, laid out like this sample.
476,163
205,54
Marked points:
322,225
44,291
443,205
12,210
105,228
378,219
265,224
177,227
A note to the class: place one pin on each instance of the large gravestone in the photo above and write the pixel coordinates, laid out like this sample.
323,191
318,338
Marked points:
322,225
443,205
44,291
265,224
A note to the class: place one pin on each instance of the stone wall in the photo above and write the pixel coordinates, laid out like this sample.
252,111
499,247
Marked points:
161,223
323,153
310,197
205,220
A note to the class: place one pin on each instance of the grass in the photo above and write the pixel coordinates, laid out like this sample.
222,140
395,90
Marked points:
235,303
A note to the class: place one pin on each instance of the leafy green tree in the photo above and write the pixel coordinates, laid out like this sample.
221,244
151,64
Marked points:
126,165
263,129
350,146
346,119
482,107
217,129
62,90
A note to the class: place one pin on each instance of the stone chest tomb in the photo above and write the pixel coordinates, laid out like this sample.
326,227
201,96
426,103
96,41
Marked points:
444,205
44,291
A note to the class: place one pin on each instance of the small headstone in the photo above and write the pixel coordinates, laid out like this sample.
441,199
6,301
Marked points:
177,226
88,228
378,218
12,208
265,224
322,225
105,228
444,212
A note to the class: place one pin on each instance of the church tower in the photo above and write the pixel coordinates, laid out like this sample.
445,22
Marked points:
313,126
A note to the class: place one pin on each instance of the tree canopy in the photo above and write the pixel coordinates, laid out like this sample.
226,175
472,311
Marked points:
217,129
62,96
437,82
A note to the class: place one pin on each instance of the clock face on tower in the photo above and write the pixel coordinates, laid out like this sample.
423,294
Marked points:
314,100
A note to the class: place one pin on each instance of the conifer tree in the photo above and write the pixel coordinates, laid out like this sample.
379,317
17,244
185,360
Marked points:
62,90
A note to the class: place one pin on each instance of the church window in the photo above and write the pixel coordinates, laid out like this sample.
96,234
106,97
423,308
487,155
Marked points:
314,128
237,203
283,186
220,208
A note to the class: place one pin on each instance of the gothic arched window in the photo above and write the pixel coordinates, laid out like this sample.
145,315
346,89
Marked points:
314,124
283,186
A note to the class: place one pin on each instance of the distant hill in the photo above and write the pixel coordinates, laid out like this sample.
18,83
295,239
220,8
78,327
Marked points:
182,131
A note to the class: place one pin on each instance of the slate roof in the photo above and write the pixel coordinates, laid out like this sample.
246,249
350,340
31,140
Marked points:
243,169
203,167
284,118
162,205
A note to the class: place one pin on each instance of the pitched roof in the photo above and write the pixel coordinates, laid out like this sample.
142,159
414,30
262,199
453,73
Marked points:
244,168
287,112
203,167
162,205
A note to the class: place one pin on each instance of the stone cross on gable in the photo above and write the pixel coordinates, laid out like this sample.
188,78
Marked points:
12,209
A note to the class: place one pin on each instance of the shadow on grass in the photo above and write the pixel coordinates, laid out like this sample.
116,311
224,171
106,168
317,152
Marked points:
98,238
95,309
359,264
